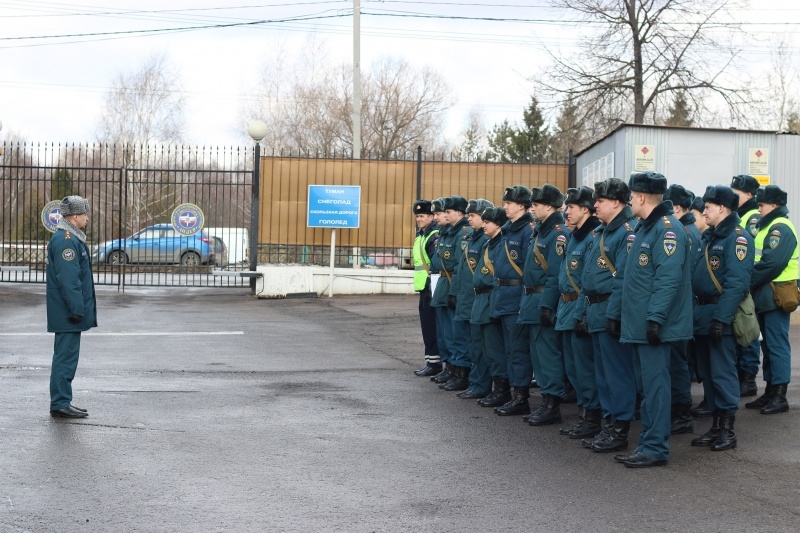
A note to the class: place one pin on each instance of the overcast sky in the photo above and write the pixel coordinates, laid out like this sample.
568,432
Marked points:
55,68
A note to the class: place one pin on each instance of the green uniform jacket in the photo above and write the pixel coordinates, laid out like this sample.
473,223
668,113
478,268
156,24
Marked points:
657,283
550,239
449,249
597,280
730,258
467,269
572,270
483,280
70,287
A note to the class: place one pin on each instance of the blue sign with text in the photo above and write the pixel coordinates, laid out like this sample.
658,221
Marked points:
334,206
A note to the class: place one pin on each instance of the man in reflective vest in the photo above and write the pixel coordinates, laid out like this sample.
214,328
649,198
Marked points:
776,267
424,248
747,358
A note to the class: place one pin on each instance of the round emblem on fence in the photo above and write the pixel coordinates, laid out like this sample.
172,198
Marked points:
51,214
188,219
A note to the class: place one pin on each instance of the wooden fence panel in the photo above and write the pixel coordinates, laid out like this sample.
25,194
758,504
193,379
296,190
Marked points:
388,188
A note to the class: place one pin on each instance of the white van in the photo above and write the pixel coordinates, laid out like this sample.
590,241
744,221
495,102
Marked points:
237,241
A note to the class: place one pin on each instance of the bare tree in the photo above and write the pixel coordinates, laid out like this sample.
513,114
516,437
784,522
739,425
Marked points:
307,105
142,112
781,86
643,53
144,106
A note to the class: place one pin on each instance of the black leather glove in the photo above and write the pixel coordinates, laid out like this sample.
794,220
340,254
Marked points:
495,320
546,317
451,302
581,328
653,333
613,328
75,319
715,333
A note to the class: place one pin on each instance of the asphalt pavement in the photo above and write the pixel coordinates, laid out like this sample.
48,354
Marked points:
213,411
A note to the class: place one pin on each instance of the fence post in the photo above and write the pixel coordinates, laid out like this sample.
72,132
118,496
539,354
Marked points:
572,170
419,172
254,215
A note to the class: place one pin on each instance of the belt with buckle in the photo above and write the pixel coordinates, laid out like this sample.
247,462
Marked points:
534,290
597,298
508,282
483,290
569,296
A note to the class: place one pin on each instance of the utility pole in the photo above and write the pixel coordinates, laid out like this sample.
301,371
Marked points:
356,79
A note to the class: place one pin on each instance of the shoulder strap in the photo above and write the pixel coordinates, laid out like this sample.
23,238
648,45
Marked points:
611,266
667,223
487,261
513,264
539,256
711,272
570,278
422,253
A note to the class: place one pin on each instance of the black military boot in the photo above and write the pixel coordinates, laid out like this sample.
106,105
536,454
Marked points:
681,419
701,411
747,385
549,414
726,439
501,393
566,430
617,438
533,412
590,426
470,394
708,438
444,375
518,405
459,381
431,369
605,430
777,402
762,400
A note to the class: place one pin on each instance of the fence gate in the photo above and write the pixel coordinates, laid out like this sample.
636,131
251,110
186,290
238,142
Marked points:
133,192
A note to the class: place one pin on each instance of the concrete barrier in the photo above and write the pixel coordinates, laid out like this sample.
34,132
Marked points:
278,281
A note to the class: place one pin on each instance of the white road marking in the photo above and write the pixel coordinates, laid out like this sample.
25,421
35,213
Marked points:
134,334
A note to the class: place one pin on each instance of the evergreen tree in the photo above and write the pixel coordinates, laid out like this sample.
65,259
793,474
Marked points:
680,112
527,144
570,133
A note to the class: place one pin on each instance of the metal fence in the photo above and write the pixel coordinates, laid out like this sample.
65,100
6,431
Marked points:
131,188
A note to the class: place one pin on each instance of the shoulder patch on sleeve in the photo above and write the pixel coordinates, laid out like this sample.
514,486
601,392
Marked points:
68,254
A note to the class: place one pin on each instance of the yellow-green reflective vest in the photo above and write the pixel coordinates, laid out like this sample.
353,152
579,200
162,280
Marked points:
791,271
745,220
422,263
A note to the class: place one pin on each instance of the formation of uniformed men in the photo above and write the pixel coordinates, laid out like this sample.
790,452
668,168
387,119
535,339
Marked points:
624,292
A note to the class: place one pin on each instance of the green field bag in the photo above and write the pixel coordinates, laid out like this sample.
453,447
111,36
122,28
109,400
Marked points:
745,324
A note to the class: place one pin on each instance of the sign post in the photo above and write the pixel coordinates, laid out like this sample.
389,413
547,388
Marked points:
333,206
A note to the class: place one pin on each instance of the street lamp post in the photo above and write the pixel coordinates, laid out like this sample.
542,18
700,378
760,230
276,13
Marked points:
257,130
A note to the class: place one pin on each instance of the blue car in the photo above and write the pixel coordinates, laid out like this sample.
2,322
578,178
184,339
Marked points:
158,244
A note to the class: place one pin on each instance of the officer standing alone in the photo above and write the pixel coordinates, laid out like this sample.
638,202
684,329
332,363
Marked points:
71,302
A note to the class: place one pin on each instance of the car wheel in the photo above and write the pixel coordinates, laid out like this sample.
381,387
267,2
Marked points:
190,259
117,257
